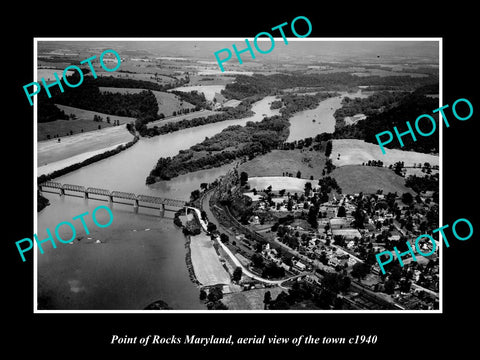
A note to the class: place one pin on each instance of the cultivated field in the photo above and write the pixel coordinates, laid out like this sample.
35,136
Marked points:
356,152
50,151
368,179
249,300
167,102
206,264
83,121
276,162
279,183
208,90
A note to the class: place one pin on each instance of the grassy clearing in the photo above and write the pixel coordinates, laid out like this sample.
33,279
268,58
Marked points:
368,179
355,152
277,162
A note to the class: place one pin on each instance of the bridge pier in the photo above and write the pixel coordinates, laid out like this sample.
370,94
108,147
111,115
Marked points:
135,206
85,195
110,199
162,210
62,191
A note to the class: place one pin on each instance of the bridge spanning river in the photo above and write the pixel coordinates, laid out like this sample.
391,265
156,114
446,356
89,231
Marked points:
137,201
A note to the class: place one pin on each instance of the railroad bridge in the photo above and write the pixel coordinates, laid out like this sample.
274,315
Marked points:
146,201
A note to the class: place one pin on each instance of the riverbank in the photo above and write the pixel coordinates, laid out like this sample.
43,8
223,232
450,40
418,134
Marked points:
63,167
203,261
51,151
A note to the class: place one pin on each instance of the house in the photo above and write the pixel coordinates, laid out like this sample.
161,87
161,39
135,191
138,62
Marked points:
347,233
299,266
338,223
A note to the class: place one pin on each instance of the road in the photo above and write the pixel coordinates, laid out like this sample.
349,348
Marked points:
248,273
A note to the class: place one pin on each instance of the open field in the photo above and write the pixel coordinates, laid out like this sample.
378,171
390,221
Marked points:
368,179
206,264
249,300
160,79
355,152
50,151
279,183
167,102
276,162
208,90
84,121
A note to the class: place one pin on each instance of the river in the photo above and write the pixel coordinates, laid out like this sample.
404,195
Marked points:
140,257
309,123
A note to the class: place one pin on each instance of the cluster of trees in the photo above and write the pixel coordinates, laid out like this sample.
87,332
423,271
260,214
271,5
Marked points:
48,111
294,103
408,109
245,86
374,104
241,111
213,298
89,97
378,163
117,82
249,140
228,113
423,183
304,292
193,97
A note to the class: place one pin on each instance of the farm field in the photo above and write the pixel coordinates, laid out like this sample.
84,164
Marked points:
368,179
167,102
276,162
83,121
355,152
280,182
249,300
208,90
51,150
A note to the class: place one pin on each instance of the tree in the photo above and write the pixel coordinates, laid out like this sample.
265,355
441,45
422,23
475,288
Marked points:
224,238
215,294
360,270
194,195
328,148
299,174
203,294
243,178
237,274
211,227
257,260
312,217
407,198
267,298
341,211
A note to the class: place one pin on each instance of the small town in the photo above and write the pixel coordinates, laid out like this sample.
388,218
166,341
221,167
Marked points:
322,243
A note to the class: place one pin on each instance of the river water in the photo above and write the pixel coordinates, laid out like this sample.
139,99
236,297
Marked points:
309,123
140,258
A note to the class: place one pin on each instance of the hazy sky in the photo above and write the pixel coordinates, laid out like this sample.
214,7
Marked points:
317,48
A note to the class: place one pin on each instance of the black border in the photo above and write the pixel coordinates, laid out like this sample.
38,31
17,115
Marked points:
58,335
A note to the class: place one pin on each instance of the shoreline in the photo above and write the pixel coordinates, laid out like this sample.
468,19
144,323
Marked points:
72,166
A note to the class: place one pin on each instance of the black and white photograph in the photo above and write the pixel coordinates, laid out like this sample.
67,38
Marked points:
260,187
216,179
